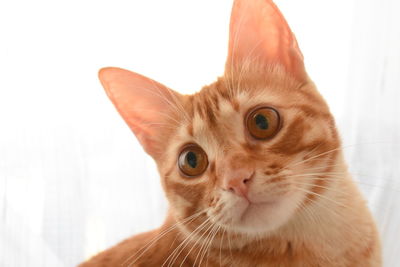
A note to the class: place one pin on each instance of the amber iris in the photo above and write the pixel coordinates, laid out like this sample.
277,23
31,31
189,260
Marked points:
263,123
192,160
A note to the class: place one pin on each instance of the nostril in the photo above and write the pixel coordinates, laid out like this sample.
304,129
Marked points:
237,188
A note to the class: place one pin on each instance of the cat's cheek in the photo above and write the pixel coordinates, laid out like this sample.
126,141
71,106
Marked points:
181,208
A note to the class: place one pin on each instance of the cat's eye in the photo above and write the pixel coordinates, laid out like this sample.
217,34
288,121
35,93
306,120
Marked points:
263,123
192,160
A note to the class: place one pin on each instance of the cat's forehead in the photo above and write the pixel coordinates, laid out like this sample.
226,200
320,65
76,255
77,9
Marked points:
220,104
217,112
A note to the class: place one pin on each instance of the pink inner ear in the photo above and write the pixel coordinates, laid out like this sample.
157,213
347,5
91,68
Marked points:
258,31
144,104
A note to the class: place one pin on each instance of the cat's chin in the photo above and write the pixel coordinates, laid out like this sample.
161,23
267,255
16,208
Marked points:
260,218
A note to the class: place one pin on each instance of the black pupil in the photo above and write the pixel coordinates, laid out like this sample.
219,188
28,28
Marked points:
261,122
191,159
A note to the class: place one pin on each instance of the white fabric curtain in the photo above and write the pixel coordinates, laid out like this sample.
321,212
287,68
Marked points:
73,180
372,114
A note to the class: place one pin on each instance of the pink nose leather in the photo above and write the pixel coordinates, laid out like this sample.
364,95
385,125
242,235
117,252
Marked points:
237,182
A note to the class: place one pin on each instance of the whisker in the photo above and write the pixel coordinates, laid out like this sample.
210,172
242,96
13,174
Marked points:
190,250
230,246
206,243
310,214
210,229
313,157
220,247
323,187
321,196
338,217
159,236
315,148
336,177
176,237
207,249
331,173
179,248
215,235
323,167
333,150
317,174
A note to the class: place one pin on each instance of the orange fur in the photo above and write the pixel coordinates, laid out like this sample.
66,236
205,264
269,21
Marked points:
299,207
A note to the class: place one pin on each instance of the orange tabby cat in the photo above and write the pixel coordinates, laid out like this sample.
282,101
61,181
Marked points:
251,165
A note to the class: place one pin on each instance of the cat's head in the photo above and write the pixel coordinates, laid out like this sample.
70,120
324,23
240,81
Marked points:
239,149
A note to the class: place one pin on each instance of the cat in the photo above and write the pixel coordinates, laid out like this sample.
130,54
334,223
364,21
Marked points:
251,165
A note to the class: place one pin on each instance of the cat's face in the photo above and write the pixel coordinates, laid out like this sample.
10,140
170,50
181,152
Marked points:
240,149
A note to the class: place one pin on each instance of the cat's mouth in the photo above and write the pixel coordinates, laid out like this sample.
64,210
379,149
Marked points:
254,208
246,215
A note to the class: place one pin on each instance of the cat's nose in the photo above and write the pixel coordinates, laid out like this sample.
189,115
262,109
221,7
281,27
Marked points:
237,182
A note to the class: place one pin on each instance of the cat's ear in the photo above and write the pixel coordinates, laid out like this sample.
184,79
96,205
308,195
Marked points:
258,31
144,104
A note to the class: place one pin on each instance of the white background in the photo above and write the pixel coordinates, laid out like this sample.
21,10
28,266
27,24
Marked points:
73,179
